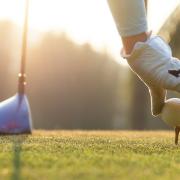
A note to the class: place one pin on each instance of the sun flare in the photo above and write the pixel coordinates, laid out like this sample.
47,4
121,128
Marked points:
83,20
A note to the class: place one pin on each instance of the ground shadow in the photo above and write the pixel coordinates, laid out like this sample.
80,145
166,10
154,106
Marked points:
17,141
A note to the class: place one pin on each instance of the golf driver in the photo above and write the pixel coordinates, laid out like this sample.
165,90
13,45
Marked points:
15,115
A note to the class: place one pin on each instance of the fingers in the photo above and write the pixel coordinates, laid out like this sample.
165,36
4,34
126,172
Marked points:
158,97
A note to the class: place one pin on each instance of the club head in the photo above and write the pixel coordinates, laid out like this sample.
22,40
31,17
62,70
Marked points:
15,115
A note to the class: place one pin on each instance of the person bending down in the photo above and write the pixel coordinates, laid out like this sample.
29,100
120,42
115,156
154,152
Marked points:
148,55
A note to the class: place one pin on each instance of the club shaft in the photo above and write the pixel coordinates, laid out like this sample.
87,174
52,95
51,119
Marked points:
22,74
146,4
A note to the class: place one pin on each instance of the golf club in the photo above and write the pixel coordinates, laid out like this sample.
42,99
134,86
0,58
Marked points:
15,115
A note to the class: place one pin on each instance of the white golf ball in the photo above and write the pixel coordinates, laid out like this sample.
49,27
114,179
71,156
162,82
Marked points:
171,112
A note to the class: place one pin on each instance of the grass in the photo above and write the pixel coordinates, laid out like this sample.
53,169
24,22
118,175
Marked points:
90,155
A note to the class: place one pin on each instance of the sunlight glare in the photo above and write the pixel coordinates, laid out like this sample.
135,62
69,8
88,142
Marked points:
83,20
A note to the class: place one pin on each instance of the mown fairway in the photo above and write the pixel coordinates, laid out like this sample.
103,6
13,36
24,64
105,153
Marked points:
90,155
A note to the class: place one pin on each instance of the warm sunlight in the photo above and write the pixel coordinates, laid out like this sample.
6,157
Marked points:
83,20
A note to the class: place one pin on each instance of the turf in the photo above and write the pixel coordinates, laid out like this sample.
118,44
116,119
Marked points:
90,155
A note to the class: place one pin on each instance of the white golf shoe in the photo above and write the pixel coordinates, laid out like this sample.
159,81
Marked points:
152,61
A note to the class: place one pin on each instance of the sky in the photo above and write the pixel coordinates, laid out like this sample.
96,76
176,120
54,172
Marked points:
83,20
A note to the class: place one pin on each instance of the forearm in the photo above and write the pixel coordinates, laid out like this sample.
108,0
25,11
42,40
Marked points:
131,22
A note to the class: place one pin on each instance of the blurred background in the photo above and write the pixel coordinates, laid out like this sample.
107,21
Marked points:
76,78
